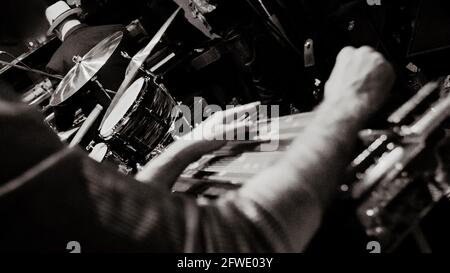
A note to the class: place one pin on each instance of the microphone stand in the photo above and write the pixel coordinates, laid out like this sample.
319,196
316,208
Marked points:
58,77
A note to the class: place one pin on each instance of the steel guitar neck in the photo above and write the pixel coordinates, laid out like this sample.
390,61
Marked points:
239,161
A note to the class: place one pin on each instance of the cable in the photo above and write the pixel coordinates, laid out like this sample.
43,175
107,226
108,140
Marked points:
14,58
32,70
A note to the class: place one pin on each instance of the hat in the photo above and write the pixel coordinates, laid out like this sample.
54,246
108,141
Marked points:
58,13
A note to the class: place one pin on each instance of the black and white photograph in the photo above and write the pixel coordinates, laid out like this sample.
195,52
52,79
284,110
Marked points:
242,128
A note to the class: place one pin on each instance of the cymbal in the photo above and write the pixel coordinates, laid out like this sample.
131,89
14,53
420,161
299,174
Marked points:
86,68
137,63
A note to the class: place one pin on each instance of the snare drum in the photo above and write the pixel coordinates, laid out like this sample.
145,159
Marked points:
139,126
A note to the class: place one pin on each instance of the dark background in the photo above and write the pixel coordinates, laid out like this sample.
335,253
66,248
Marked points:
24,21
21,21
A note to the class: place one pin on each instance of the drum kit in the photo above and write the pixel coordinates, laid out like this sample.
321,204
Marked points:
137,125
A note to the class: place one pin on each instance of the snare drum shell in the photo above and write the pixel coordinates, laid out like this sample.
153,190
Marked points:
145,126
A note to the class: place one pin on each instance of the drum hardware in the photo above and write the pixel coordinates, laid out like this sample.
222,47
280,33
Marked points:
309,55
102,89
79,119
155,116
146,72
154,68
141,69
151,71
39,93
47,108
101,153
77,59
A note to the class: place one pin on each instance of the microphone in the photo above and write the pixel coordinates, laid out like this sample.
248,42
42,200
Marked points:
27,68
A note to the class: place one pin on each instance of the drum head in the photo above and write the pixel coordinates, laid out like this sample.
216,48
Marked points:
122,108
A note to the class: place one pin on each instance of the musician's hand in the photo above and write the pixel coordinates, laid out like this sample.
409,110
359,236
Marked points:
207,137
360,80
219,128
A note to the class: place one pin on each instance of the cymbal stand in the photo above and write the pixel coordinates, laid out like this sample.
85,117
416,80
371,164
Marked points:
104,90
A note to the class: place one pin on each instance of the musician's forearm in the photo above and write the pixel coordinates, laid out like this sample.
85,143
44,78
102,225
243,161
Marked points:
166,168
321,154
301,185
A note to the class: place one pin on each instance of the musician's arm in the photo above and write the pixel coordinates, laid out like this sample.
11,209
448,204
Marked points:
280,210
296,191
